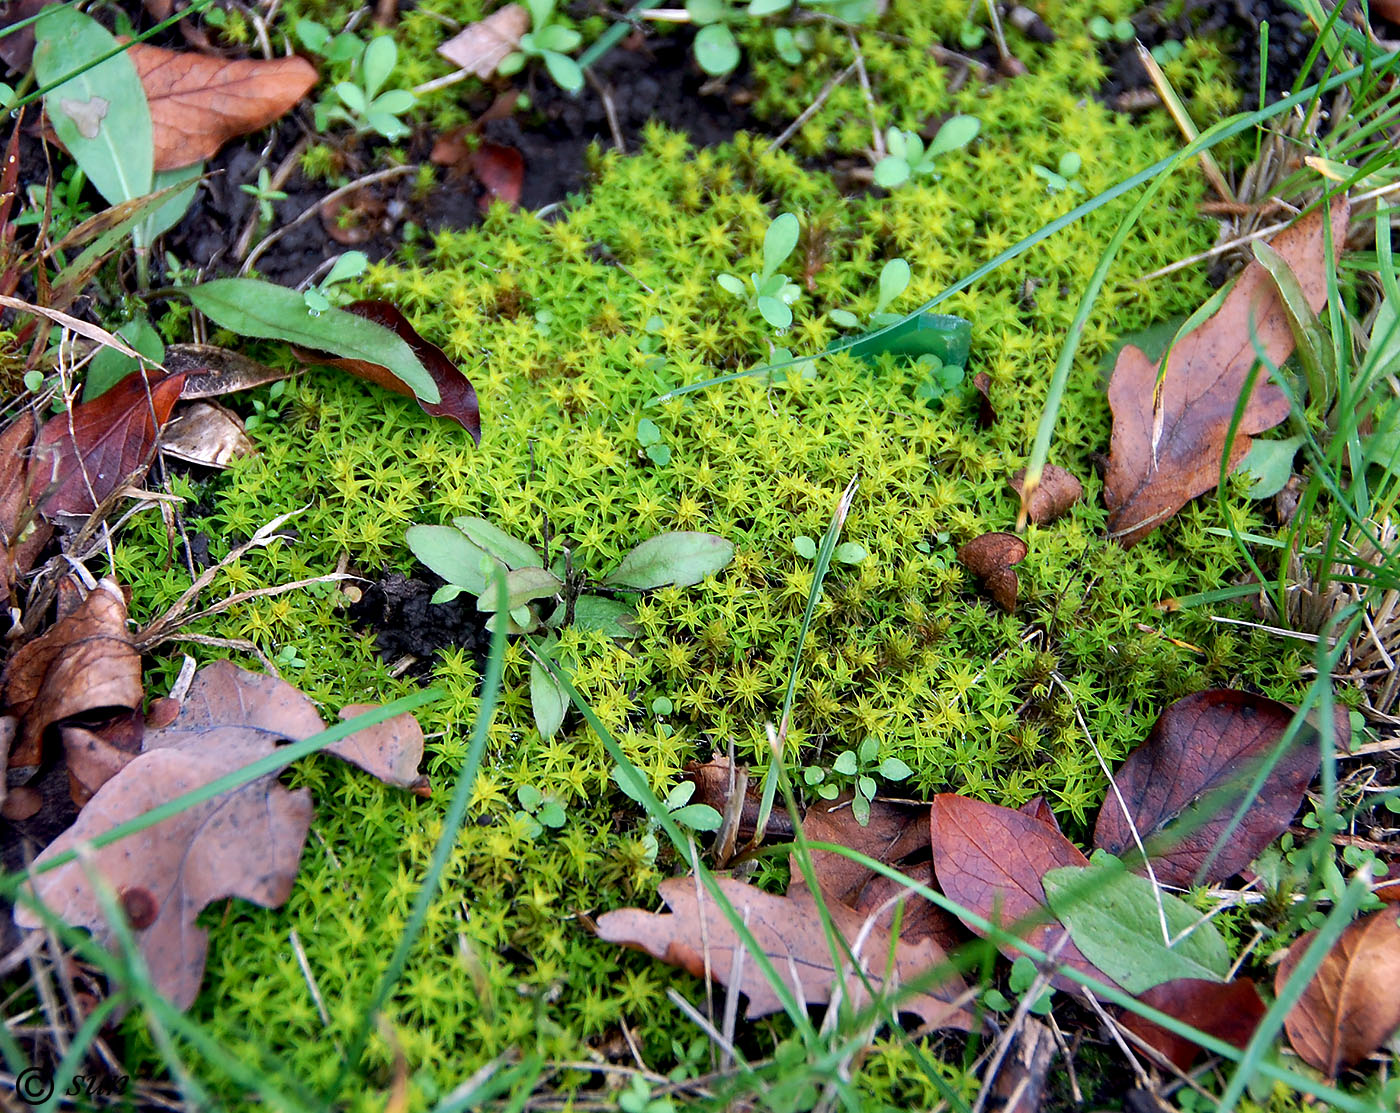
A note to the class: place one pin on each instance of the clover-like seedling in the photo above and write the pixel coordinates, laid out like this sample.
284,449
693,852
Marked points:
317,38
894,280
649,437
909,157
350,264
1062,177
538,811
941,379
856,769
695,818
1118,30
362,105
288,658
550,42
773,292
1022,978
848,552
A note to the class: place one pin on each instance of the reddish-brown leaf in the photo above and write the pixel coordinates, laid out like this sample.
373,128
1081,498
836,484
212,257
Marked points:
991,859
990,558
98,445
1057,492
92,760
1229,1011
1351,1006
789,931
712,781
1037,808
986,412
500,170
22,534
896,835
1163,457
391,751
458,396
1183,785
200,101
479,47
80,665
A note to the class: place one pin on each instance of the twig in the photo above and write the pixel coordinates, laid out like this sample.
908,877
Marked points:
878,140
811,110
609,109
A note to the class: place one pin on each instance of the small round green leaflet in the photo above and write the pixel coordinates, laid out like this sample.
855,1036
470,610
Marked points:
716,50
891,171
250,307
779,241
672,560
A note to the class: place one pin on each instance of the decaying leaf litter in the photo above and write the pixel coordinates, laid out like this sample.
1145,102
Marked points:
1220,778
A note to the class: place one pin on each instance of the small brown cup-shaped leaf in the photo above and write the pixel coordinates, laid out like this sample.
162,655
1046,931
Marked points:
990,558
1052,498
140,906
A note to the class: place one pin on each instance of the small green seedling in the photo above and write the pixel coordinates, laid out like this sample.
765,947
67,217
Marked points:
1168,51
649,437
1118,30
263,193
696,818
269,412
894,280
1064,175
855,769
773,292
717,50
336,49
848,552
971,35
550,42
362,105
637,1098
941,380
538,811
908,157
1023,976
324,294
288,658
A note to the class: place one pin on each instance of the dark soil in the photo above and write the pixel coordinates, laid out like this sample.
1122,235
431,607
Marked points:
405,622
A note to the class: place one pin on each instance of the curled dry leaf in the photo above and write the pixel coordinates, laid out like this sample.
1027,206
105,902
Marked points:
92,760
206,433
986,412
991,859
789,931
199,101
1229,1011
1351,1006
98,445
501,172
458,396
990,558
1166,450
211,371
479,47
896,835
80,665
22,534
391,750
1057,492
1183,785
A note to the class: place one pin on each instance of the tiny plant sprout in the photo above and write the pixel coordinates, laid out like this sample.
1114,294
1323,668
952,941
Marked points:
908,157
1168,51
773,292
1103,29
805,547
716,51
856,770
538,811
1064,175
942,379
551,43
362,105
894,280
649,437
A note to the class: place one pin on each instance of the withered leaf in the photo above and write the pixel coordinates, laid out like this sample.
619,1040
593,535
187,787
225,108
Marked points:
91,760
98,445
200,101
391,751
23,535
1229,1011
991,859
458,396
206,433
479,47
1351,1006
986,412
81,664
211,371
1057,492
500,170
1162,457
1037,808
789,931
896,835
1183,785
990,558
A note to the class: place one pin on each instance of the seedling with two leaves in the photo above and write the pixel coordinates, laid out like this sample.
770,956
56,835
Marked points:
855,770
362,105
773,292
696,818
908,156
550,42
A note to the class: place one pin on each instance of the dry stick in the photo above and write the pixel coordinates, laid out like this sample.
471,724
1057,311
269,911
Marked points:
1113,1030
811,110
1068,1053
1183,120
277,181
334,195
609,109
878,140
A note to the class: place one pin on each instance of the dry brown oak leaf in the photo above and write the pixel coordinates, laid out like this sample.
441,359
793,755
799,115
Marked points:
22,535
199,102
788,929
1160,459
243,843
82,664
1352,1005
480,47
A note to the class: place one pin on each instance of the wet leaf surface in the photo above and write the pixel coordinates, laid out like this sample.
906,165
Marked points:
1183,785
1162,458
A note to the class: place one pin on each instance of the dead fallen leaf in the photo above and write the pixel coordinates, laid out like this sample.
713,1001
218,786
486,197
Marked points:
896,835
21,803
1229,1011
1058,491
82,664
1038,809
17,48
23,534
1183,785
986,412
1162,458
201,101
98,445
479,47
392,751
501,172
206,433
459,402
789,931
738,798
991,859
990,558
211,371
92,761
1351,1006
